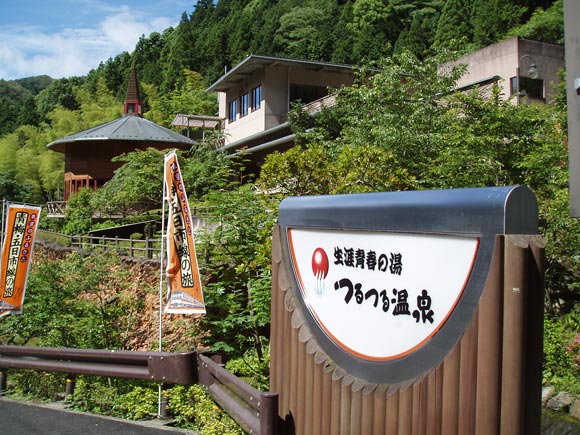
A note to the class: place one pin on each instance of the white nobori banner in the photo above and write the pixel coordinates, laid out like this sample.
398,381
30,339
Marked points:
380,295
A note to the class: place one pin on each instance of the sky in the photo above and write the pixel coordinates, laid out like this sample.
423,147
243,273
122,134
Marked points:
64,38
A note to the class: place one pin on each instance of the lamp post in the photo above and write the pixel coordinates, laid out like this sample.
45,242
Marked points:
533,73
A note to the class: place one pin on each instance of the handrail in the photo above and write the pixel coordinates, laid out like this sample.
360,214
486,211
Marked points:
255,411
166,367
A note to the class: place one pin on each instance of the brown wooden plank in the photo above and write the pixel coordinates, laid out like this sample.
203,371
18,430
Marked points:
345,398
534,334
489,348
392,415
336,402
512,390
379,410
300,380
406,411
309,397
326,399
450,408
356,408
368,405
468,378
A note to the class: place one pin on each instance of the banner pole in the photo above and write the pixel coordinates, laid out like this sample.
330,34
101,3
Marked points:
163,241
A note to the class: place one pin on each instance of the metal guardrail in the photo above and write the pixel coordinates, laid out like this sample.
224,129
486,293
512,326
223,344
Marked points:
170,368
256,412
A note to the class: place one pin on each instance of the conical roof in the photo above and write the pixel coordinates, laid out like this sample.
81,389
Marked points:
131,127
127,128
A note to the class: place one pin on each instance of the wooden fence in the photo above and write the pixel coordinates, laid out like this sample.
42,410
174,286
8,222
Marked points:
131,247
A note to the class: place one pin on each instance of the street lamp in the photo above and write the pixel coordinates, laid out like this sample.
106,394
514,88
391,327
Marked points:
533,73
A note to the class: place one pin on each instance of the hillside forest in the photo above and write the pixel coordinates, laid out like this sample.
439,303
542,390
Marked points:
383,134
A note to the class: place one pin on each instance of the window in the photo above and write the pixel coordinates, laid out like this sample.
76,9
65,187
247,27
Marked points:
257,97
244,104
232,110
305,94
531,88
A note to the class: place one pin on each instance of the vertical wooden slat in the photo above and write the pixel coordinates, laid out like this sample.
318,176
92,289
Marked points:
317,400
288,346
515,265
336,398
489,348
406,411
468,378
368,404
450,412
417,408
392,415
293,378
534,334
276,327
424,395
308,388
345,401
356,408
379,410
326,399
300,380
438,394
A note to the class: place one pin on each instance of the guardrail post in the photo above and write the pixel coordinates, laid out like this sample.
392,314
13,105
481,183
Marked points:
164,401
3,380
269,414
70,385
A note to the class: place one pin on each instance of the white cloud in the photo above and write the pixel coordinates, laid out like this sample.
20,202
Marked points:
27,51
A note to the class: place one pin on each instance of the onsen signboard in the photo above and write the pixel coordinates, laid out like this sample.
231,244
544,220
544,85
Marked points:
388,282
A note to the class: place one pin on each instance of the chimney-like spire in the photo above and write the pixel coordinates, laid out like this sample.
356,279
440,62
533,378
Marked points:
133,104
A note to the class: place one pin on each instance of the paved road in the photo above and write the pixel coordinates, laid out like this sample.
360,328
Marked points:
20,418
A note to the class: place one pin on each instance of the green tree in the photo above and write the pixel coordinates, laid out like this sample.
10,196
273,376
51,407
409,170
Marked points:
187,98
304,33
235,261
137,185
544,25
454,29
420,35
375,28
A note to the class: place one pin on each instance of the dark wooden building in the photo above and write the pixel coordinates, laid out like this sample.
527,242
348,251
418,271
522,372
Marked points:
88,154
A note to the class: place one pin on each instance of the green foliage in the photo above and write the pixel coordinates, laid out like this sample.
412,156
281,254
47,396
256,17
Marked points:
252,367
137,185
35,385
189,96
544,25
117,398
454,31
235,261
75,302
79,212
193,408
561,351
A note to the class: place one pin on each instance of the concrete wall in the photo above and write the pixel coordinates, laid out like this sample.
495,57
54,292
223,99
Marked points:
275,81
502,60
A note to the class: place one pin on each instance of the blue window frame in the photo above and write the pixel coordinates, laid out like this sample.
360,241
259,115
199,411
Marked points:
257,97
232,110
244,104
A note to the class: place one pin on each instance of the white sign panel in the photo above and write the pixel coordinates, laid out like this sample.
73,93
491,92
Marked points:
378,295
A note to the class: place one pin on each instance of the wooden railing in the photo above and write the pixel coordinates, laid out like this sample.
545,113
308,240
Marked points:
132,247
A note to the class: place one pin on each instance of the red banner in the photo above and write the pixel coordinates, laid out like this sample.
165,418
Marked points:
185,294
21,223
